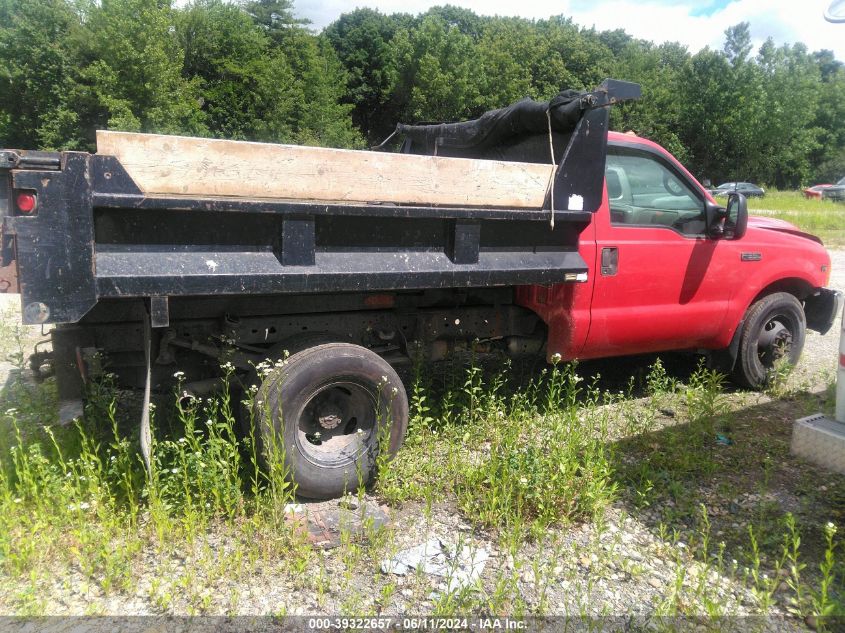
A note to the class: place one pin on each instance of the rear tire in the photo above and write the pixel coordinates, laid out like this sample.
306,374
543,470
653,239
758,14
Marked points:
774,331
333,408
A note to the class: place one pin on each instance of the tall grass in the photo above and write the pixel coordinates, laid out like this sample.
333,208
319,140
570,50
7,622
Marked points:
80,498
520,464
824,218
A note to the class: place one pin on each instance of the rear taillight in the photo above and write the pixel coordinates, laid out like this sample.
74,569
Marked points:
26,201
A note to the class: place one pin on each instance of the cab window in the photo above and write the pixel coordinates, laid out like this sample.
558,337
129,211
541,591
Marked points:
643,191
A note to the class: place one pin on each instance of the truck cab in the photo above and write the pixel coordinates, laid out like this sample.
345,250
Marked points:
663,278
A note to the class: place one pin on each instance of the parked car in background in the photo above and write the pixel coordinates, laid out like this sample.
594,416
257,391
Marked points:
815,192
748,189
836,192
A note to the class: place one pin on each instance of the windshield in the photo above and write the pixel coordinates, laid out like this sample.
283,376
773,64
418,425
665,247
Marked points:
841,181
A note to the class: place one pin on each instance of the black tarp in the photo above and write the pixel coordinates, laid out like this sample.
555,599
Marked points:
517,132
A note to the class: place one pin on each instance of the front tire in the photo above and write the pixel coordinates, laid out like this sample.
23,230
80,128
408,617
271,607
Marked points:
773,332
332,408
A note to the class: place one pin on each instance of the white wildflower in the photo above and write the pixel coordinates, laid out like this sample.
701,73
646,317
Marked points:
556,357
84,505
18,500
179,374
174,470
227,366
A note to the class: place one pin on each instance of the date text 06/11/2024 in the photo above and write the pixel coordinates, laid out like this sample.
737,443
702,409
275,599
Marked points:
416,624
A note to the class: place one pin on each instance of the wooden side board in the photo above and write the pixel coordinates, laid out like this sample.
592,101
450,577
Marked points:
210,167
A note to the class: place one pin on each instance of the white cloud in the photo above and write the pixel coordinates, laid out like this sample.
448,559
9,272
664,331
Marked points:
786,21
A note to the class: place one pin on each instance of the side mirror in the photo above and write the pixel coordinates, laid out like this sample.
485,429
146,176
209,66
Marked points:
736,220
727,223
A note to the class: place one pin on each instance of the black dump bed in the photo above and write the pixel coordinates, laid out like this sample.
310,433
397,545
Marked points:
94,234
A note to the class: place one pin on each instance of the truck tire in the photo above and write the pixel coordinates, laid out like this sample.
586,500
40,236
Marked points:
327,413
774,329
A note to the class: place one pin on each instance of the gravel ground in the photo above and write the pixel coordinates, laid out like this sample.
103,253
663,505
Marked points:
622,565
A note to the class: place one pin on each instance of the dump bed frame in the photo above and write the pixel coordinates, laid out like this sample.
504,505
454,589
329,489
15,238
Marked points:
94,234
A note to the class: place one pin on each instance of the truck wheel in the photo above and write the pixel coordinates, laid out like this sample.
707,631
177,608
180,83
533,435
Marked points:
774,330
331,408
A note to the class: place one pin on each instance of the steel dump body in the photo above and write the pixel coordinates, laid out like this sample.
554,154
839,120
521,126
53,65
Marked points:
95,234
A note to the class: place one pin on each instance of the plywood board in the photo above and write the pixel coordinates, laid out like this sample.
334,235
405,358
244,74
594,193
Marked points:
211,167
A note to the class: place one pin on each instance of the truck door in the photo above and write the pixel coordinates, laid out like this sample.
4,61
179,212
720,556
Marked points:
660,283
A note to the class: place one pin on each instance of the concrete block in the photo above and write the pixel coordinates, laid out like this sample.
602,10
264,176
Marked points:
820,440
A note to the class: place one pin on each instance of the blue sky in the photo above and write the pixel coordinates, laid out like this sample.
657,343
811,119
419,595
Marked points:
694,24
709,8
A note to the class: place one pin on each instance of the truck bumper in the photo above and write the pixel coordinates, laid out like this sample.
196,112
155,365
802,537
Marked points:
821,309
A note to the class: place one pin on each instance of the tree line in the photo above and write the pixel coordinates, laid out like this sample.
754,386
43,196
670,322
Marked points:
250,69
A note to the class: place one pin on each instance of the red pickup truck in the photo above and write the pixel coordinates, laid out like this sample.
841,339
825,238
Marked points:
149,284
658,281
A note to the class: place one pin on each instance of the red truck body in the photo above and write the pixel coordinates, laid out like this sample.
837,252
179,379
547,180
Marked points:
671,290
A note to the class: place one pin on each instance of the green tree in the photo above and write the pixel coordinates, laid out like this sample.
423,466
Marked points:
828,161
438,72
705,98
659,70
586,61
39,57
507,51
321,117
130,72
259,87
789,136
738,43
244,85
273,15
361,40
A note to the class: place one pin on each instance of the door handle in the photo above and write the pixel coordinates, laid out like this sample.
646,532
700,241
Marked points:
609,261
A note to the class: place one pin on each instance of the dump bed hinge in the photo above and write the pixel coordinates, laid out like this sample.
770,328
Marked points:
16,159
